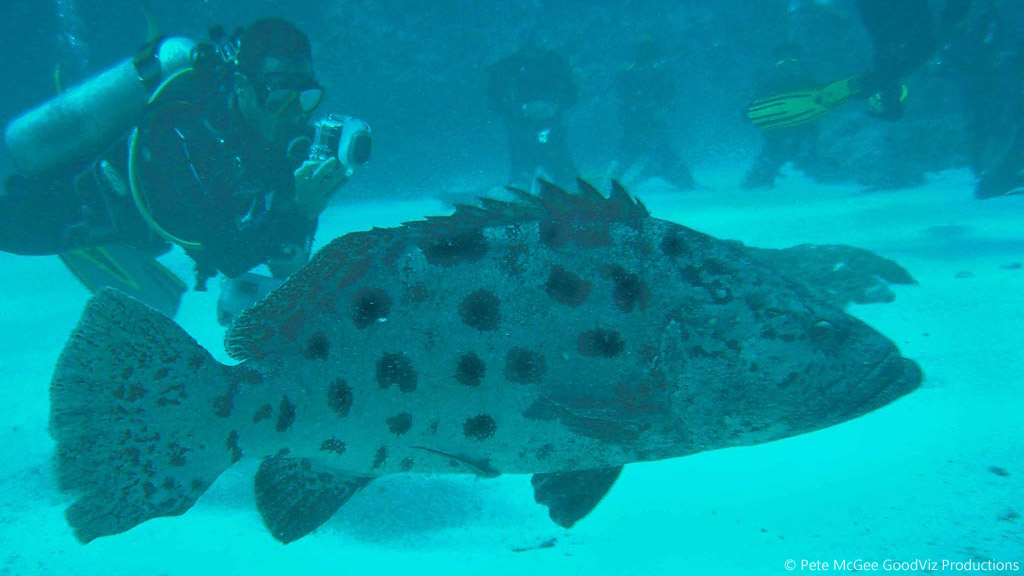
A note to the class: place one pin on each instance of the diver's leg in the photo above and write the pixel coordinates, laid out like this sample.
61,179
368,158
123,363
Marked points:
667,163
765,170
555,159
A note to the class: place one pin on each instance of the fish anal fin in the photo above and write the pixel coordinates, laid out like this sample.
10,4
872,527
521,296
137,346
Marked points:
570,496
295,496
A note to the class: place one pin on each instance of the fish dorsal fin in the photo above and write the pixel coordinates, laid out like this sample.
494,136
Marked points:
272,324
570,496
295,495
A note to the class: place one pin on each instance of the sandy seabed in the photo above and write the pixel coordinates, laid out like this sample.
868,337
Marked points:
934,476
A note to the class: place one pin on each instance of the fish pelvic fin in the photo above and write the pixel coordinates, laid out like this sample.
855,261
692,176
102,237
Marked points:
128,399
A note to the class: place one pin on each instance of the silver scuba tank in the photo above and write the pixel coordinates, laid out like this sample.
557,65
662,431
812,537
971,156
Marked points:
76,126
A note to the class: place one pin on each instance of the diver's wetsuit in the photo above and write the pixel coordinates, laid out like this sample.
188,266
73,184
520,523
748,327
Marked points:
204,177
904,39
646,91
520,85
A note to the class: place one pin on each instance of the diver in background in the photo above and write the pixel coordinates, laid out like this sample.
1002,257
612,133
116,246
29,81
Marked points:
530,90
214,167
646,91
798,143
903,38
987,54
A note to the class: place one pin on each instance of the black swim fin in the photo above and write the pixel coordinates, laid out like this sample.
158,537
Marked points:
128,270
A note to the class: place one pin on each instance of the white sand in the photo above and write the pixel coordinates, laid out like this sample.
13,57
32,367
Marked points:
909,481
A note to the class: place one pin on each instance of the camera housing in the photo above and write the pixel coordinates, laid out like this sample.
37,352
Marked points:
342,137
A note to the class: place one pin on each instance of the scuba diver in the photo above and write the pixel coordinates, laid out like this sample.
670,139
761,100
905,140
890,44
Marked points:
646,91
530,90
797,143
986,52
903,38
219,162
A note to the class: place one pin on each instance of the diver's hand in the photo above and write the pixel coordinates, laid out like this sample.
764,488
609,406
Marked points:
315,183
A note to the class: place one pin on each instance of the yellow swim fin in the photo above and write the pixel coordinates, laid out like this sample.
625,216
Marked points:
799,106
128,270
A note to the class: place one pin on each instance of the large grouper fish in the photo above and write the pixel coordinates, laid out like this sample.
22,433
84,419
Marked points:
558,334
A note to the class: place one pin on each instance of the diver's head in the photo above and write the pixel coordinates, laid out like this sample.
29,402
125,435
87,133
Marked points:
275,85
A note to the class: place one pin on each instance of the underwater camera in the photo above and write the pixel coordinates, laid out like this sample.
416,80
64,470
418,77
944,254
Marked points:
342,137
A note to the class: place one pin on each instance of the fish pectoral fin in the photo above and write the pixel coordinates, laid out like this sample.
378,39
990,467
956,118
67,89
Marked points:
295,495
570,496
836,273
480,467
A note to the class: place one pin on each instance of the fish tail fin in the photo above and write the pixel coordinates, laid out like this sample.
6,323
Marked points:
128,399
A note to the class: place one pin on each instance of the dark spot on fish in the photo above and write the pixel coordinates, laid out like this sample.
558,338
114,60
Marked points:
223,405
232,444
600,342
396,369
172,396
370,305
289,328
999,471
400,423
433,427
339,397
196,362
673,244
161,373
407,464
715,267
524,366
176,454
455,248
333,445
481,310
479,427
567,288
791,378
381,457
148,488
545,451
554,234
630,292
129,393
471,370
318,347
169,483
263,413
691,275
285,415
198,485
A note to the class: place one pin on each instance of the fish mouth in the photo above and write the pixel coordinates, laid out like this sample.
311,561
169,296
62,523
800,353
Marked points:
895,377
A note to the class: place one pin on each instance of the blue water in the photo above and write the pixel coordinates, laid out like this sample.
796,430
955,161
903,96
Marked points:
935,476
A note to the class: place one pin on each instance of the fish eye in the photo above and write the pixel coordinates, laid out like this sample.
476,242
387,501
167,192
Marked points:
822,330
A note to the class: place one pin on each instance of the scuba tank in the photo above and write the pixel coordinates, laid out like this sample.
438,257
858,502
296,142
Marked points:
78,125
